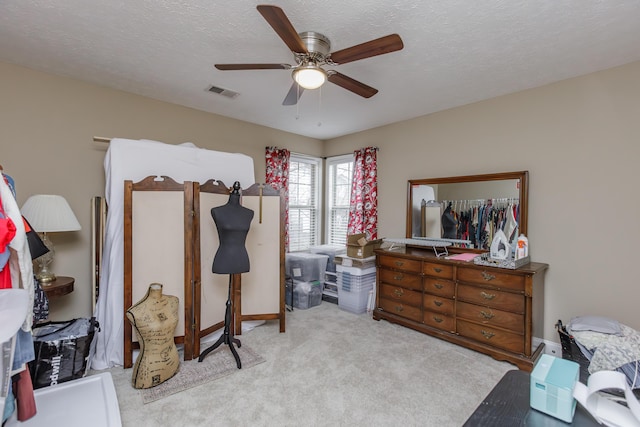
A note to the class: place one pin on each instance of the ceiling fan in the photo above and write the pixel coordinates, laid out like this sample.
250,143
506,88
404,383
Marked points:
312,50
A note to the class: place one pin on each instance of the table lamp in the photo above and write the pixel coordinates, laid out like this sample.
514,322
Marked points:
48,213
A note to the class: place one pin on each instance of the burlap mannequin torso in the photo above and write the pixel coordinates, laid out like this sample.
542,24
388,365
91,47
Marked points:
154,319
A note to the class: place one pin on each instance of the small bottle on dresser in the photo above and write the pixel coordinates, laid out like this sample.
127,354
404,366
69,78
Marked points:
522,250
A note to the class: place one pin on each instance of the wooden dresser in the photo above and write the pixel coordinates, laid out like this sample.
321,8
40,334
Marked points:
492,310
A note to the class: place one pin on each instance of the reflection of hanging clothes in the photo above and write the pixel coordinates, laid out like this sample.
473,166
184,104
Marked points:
479,220
449,224
511,225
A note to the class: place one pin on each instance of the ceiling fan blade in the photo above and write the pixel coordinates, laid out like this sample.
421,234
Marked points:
386,44
295,92
281,24
228,67
352,85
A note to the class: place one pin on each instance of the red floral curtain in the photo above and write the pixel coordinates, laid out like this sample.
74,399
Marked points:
363,209
277,175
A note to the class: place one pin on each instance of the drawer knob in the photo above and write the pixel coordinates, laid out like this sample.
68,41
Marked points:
487,315
438,285
437,270
437,303
487,276
437,319
398,292
398,277
487,296
488,335
399,263
399,308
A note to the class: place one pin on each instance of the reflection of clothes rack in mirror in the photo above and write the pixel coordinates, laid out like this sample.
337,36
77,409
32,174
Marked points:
478,220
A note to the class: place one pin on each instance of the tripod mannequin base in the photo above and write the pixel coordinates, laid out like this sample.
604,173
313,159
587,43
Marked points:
227,336
228,340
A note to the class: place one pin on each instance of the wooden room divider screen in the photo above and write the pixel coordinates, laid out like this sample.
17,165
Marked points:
170,238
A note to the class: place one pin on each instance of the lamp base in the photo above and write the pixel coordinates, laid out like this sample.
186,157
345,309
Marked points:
45,277
43,274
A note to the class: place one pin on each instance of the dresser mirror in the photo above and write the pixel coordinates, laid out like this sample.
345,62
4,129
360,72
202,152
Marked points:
468,210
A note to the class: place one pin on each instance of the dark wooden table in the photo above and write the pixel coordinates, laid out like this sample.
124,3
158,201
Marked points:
63,285
508,405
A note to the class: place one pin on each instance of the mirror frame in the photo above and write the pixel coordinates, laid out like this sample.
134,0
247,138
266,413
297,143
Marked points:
523,176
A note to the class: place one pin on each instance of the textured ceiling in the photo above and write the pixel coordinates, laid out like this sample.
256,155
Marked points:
456,52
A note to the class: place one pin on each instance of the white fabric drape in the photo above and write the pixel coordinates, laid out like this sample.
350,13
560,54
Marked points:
135,160
20,260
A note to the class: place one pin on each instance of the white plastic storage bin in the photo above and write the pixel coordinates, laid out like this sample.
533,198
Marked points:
355,302
355,285
353,279
331,251
306,267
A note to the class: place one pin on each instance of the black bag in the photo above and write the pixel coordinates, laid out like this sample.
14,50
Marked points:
61,351
36,245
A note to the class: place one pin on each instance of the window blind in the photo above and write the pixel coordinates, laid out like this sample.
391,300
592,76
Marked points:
339,176
303,203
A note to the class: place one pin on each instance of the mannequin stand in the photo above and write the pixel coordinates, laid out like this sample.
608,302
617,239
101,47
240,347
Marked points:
227,336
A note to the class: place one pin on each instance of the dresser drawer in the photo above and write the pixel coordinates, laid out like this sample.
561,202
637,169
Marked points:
400,278
495,337
490,316
438,270
440,321
404,310
491,277
491,298
439,304
402,295
400,263
445,288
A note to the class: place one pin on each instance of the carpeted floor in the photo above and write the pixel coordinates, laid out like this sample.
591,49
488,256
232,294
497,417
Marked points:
331,368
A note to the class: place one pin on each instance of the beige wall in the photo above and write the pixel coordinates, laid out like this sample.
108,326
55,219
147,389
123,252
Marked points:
580,141
577,138
47,125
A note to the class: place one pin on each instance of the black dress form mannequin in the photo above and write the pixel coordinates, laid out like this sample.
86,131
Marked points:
449,224
232,222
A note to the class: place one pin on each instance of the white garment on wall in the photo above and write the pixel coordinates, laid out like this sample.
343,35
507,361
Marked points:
135,160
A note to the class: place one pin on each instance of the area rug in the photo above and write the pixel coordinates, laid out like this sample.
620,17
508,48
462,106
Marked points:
192,373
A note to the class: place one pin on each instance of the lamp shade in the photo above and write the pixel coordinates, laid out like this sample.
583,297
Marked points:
49,213
310,76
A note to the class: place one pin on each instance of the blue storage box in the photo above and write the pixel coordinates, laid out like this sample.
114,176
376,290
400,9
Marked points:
552,383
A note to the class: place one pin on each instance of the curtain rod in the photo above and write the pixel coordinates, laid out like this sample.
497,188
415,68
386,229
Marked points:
346,154
101,139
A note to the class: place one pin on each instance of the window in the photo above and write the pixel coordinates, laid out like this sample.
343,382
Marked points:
339,175
304,206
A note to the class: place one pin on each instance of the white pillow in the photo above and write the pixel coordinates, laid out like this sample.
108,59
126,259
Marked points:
601,324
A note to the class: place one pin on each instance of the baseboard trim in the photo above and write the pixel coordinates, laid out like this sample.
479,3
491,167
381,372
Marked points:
550,347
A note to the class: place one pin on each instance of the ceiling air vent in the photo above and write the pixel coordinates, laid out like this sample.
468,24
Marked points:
224,92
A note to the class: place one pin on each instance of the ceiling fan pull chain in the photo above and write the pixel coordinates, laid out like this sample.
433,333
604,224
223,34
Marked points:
297,103
320,106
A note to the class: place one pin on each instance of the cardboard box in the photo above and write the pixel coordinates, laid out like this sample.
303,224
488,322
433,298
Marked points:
359,247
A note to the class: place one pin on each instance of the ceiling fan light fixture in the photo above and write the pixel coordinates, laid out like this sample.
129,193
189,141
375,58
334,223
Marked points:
310,76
